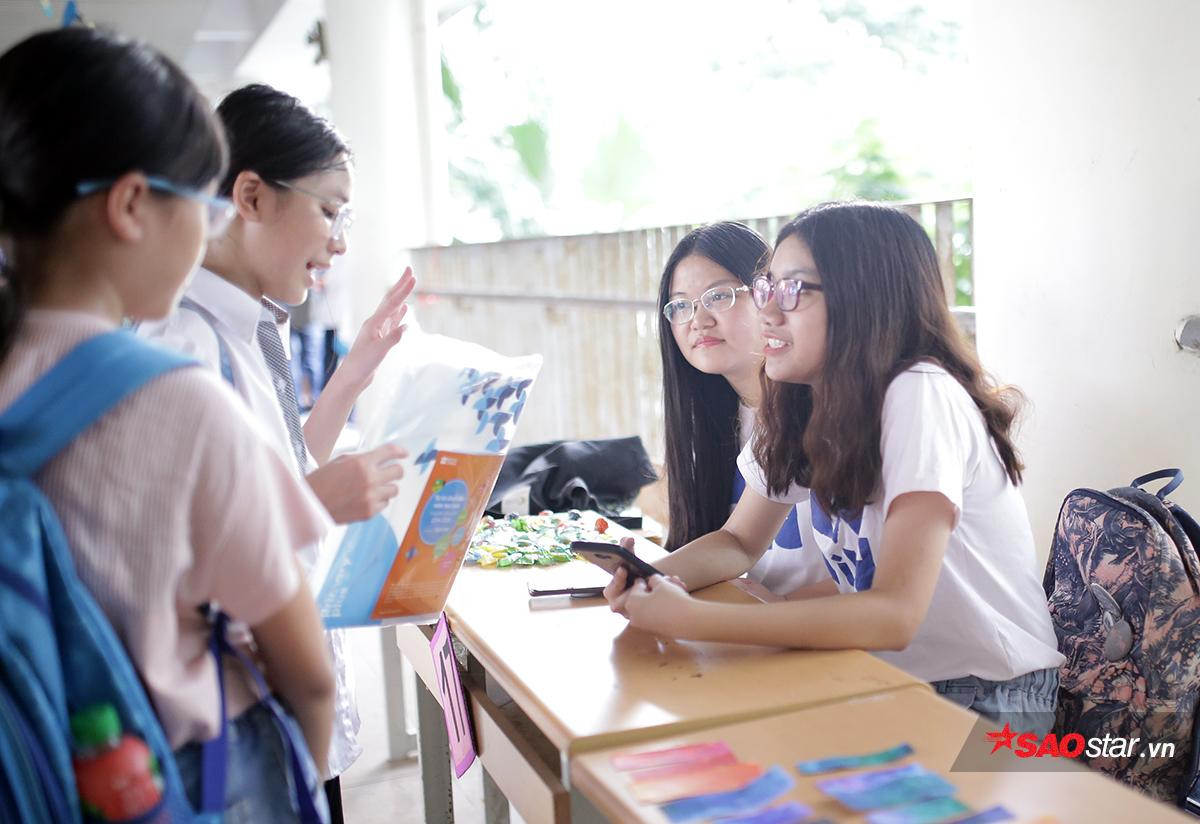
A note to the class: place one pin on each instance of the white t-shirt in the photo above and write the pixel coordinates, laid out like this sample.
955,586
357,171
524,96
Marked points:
988,616
791,561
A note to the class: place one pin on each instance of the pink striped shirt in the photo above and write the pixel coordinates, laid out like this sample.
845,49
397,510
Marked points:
172,500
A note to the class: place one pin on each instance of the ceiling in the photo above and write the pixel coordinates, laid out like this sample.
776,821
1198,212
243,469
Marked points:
221,44
208,38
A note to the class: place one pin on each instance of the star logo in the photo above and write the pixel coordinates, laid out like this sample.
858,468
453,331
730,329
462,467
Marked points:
1001,739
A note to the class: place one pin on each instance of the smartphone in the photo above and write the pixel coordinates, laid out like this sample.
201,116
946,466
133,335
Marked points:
574,592
611,557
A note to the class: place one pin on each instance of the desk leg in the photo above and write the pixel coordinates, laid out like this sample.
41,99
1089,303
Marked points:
401,743
434,753
582,810
495,805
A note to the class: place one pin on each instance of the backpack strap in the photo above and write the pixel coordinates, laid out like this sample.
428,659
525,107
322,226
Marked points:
1175,475
89,381
1167,516
214,754
1190,800
222,346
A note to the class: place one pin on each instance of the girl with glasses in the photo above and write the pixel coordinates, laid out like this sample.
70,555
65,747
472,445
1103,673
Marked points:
290,181
711,356
879,419
109,158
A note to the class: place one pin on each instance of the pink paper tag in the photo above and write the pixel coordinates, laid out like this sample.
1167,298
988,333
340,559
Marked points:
454,699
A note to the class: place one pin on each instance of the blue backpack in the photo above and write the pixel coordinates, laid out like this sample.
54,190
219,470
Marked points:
58,652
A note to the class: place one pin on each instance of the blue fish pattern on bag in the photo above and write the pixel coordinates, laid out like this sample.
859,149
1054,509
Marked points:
494,393
424,461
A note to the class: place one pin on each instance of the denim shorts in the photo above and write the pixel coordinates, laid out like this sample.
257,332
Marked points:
1027,703
259,781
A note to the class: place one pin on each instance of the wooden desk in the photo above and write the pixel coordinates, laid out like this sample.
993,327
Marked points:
569,676
587,679
935,728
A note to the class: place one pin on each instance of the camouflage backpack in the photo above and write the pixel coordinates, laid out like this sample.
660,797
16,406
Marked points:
1123,583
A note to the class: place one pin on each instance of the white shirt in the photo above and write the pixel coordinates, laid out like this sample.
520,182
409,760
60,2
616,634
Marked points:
988,615
236,316
791,561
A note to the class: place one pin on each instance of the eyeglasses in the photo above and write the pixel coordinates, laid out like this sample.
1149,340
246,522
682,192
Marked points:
786,291
220,210
343,217
716,299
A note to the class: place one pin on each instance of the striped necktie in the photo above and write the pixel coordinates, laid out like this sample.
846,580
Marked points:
271,344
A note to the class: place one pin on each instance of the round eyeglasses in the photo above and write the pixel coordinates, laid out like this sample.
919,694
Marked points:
786,291
343,217
716,299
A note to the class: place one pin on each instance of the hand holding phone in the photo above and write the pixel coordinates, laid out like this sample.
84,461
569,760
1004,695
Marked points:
611,557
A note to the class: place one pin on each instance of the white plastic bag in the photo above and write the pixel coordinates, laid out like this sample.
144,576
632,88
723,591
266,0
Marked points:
454,406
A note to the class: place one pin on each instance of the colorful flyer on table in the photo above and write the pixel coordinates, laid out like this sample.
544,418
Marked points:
754,796
887,788
690,754
790,812
715,759
922,812
853,762
705,781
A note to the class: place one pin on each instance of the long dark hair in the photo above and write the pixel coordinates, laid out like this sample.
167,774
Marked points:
886,311
82,104
274,134
702,409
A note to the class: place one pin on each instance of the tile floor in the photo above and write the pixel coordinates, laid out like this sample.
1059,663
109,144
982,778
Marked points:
376,791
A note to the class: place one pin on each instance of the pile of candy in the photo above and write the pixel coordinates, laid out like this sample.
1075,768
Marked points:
528,540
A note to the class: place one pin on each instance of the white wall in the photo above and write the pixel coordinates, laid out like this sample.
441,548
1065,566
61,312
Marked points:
386,97
1087,230
385,86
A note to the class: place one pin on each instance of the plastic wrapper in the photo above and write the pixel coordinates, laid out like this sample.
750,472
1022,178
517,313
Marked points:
454,406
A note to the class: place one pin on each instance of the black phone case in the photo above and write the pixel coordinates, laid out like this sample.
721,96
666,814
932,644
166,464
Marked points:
596,551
